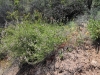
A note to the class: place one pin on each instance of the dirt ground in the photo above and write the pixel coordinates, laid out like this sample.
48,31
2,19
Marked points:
77,62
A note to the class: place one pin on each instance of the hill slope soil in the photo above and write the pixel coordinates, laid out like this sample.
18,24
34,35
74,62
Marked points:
80,60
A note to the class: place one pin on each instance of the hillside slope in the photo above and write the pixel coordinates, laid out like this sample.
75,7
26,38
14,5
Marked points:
79,58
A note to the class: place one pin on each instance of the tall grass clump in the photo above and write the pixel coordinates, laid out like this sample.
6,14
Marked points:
94,29
32,41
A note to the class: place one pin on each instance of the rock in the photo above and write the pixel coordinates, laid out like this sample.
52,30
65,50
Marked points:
94,62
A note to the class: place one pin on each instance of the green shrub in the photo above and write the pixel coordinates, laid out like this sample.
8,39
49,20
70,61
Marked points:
32,41
94,28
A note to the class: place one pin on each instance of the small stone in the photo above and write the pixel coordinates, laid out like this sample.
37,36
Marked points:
94,62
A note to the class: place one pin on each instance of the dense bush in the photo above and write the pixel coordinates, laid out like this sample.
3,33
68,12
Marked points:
32,41
58,10
94,28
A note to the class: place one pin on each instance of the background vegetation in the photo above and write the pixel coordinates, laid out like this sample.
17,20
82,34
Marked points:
15,11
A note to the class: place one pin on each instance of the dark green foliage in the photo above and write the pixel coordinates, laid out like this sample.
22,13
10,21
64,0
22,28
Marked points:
96,44
50,10
3,56
5,6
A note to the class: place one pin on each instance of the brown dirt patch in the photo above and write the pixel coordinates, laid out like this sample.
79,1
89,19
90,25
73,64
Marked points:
77,62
